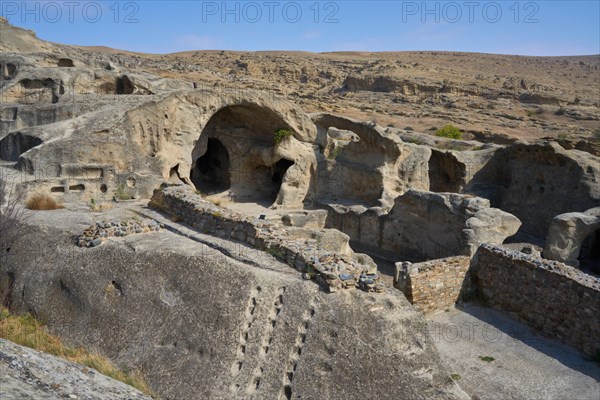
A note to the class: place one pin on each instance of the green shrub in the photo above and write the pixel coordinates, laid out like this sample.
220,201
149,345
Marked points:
560,111
449,131
335,152
486,358
122,193
281,134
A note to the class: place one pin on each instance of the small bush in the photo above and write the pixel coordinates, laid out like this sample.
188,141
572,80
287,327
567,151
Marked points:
455,377
281,134
335,152
415,141
123,193
560,111
597,134
491,106
96,207
562,136
449,131
535,111
486,358
40,201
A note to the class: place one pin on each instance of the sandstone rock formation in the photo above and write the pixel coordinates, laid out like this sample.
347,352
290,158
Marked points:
230,320
202,325
536,182
30,374
567,234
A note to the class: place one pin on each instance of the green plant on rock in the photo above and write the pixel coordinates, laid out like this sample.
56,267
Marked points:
121,193
486,358
281,134
335,152
449,131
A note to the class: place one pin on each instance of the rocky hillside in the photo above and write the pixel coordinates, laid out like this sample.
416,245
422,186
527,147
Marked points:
491,97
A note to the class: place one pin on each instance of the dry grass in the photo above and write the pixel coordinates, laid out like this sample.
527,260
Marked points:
40,201
27,331
97,207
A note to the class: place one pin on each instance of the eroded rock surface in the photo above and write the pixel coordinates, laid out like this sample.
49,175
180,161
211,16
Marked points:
29,374
202,325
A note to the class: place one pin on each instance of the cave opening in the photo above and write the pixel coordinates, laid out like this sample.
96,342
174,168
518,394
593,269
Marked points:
589,255
279,170
210,173
445,173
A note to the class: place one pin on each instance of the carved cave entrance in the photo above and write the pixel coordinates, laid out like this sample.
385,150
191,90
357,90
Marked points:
236,153
589,255
445,173
210,174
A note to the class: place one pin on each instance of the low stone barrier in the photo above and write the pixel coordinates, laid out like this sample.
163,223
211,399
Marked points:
99,232
434,285
320,254
559,300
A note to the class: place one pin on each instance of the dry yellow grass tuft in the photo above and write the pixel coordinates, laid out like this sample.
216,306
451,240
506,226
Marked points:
97,207
40,201
25,330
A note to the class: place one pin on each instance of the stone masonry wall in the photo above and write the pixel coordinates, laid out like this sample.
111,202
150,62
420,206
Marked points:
434,285
559,300
320,254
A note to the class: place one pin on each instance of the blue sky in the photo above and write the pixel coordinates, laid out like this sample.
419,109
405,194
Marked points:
505,27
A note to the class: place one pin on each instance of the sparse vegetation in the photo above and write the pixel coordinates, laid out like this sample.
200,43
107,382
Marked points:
122,193
455,377
41,201
175,218
596,135
535,111
560,111
477,148
96,207
415,141
275,252
449,131
490,106
562,136
486,358
409,128
335,152
26,331
281,134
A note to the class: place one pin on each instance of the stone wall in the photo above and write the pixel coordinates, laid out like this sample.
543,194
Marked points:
559,300
434,285
320,254
100,231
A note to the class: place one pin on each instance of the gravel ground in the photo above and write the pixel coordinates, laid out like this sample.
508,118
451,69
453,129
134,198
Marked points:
525,365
